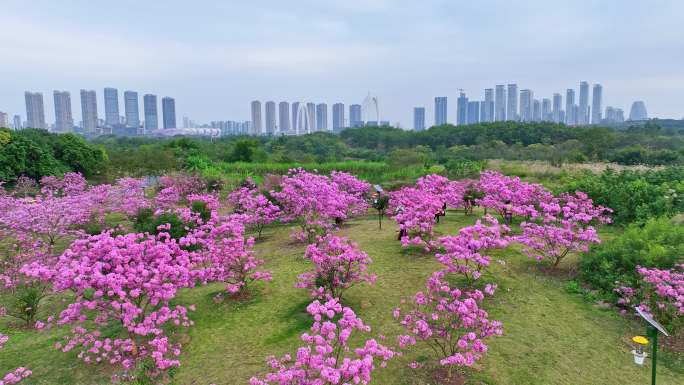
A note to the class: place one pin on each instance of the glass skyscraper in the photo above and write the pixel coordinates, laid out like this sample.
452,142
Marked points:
35,111
500,103
596,102
64,121
284,117
355,119
512,103
131,109
256,118
270,117
440,110
150,111
89,110
419,118
111,104
462,109
322,117
337,117
169,112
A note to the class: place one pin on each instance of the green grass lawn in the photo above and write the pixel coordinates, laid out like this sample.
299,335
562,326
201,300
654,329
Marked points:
551,336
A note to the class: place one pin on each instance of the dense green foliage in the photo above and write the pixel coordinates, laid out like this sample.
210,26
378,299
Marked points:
657,244
36,153
635,196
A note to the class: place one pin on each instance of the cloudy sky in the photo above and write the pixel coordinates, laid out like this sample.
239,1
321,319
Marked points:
215,57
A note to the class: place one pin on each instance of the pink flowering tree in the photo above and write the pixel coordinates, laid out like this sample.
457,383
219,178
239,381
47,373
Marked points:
415,211
565,226
450,321
17,374
660,293
339,265
356,189
464,253
449,192
258,209
225,254
128,196
123,284
313,201
510,196
327,357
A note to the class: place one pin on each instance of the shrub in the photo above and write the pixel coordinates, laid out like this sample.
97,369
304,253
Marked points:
658,244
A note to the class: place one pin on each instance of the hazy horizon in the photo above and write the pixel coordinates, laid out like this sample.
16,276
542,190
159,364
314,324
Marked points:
214,58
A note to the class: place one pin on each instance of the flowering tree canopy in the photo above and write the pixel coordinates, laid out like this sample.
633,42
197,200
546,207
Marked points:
327,357
448,320
338,266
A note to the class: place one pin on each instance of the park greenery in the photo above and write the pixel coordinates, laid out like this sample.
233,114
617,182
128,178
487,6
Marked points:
185,260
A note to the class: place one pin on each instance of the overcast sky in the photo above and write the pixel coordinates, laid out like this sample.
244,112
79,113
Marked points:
215,57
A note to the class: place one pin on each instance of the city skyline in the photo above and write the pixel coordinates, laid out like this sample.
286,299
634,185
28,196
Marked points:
329,52
510,103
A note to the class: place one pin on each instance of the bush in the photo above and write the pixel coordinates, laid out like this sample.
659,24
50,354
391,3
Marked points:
147,222
658,244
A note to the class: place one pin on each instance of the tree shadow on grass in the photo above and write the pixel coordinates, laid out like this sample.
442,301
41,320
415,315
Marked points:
297,320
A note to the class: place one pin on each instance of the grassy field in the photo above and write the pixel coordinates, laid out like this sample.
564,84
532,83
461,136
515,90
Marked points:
551,336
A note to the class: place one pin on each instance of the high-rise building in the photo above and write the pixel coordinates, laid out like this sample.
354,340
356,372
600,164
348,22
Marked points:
547,112
150,111
610,115
111,104
557,108
131,109
295,118
418,118
583,117
89,110
473,115
4,120
257,128
512,104
284,118
526,97
596,102
500,103
322,117
64,121
17,122
487,109
536,111
462,109
169,112
270,117
338,117
570,117
35,112
355,119
440,110
619,115
638,111
311,114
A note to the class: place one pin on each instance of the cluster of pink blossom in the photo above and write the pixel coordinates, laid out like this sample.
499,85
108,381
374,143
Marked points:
448,191
564,226
510,195
258,209
660,293
448,320
339,265
315,202
415,211
129,281
17,374
327,357
225,254
463,252
357,190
